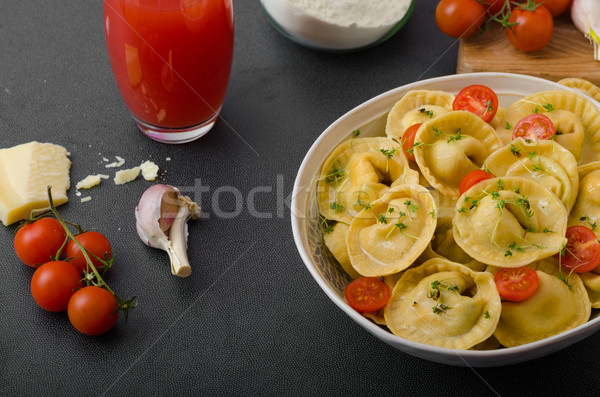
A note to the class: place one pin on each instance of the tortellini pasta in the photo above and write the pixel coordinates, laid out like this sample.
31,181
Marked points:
585,86
417,106
586,211
357,172
450,146
392,232
438,250
444,304
544,162
335,241
509,222
555,306
576,120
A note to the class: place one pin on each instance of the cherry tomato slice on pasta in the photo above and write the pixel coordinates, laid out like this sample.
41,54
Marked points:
516,284
473,178
477,99
534,127
582,252
408,140
367,294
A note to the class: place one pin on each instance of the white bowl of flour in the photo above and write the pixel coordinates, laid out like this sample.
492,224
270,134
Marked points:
338,25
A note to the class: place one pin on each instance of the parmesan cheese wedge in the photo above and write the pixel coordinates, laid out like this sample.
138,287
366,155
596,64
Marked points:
26,171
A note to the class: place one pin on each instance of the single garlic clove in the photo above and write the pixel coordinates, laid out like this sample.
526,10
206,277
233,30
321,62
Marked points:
161,222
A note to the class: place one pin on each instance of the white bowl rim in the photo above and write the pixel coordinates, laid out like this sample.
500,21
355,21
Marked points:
576,334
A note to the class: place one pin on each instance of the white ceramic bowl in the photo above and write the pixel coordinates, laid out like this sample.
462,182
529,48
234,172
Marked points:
370,118
315,33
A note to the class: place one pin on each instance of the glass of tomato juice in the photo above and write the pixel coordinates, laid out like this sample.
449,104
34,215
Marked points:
171,60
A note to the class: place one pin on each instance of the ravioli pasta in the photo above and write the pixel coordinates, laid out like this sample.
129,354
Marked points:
438,250
360,171
388,236
576,120
452,145
444,304
417,106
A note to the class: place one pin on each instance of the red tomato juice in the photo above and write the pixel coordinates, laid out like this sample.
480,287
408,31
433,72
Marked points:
172,63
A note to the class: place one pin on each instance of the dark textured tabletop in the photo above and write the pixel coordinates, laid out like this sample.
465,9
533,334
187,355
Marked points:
250,320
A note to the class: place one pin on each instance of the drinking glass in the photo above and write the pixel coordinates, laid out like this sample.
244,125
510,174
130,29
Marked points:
171,60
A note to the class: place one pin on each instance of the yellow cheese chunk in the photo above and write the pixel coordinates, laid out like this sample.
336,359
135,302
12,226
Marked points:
26,171
125,176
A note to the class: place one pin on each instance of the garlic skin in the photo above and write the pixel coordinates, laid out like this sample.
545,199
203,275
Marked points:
586,17
161,222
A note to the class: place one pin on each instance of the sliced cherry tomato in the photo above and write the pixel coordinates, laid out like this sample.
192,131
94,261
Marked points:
91,310
38,242
408,140
516,284
473,178
556,7
93,242
534,127
53,284
477,99
582,252
531,27
459,18
367,294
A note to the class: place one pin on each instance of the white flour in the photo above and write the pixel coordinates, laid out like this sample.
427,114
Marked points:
361,13
336,24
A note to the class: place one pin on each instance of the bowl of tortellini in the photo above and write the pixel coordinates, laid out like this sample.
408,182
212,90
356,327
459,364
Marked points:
385,213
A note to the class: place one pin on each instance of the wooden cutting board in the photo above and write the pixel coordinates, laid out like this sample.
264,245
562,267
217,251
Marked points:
568,54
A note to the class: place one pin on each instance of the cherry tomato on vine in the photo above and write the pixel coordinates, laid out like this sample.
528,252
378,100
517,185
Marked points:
556,7
93,242
479,100
516,284
367,294
459,18
473,178
53,284
493,6
534,127
408,140
582,252
91,310
531,27
38,242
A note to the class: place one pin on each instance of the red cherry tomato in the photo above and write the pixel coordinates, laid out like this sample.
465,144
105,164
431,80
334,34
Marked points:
93,242
582,252
408,140
473,178
556,7
38,242
91,310
53,284
493,6
367,294
534,127
516,284
459,18
477,99
531,28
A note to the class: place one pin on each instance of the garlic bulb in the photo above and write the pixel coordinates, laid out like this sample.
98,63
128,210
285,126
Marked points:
161,222
586,17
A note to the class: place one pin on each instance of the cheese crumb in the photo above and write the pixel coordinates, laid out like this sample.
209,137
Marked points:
90,181
120,161
86,199
149,170
124,176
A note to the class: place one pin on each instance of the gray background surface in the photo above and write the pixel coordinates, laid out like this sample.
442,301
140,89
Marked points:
250,320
